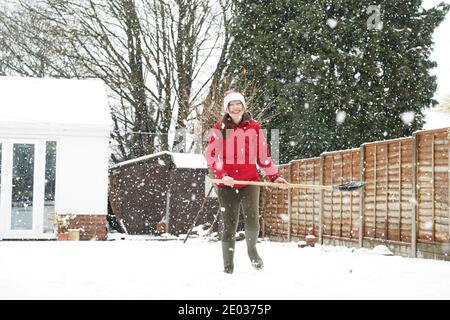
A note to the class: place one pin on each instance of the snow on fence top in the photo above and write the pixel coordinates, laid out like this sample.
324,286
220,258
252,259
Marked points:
181,160
48,100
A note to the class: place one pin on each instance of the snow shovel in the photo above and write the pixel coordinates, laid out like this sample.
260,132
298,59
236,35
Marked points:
349,186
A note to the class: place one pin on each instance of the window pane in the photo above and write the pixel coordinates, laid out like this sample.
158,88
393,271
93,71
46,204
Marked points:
50,178
22,187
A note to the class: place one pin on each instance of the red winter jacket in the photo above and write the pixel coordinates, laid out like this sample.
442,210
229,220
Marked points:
237,155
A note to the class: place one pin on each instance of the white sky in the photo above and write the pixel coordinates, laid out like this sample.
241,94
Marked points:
127,269
435,118
441,53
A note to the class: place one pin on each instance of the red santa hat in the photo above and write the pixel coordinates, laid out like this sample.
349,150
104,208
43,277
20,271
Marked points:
233,96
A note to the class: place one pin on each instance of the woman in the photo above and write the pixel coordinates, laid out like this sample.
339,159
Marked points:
236,145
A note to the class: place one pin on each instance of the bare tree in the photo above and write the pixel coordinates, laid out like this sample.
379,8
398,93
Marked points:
153,55
32,46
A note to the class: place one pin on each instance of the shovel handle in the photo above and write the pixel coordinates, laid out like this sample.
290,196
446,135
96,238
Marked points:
277,185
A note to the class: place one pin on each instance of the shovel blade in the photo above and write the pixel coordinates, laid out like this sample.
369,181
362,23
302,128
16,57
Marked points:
350,186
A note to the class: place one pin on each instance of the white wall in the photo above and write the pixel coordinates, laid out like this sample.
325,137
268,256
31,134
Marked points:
82,175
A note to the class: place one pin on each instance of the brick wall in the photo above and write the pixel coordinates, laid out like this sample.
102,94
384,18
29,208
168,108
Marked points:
93,227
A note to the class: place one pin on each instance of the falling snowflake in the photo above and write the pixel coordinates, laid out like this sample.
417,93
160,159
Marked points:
340,117
332,23
408,117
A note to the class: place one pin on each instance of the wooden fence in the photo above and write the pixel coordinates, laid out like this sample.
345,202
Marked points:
404,205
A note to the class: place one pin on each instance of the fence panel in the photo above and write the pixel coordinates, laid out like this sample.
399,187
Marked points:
432,186
305,209
388,198
275,208
341,209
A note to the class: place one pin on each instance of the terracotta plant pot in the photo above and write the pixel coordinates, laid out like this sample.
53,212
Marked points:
160,227
62,236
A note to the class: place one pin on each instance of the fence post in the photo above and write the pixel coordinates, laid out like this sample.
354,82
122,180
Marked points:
448,185
289,201
414,197
321,200
362,169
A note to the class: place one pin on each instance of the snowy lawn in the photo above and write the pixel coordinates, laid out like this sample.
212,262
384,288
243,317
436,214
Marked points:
169,270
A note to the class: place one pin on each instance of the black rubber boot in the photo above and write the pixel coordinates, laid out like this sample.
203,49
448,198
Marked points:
228,255
251,238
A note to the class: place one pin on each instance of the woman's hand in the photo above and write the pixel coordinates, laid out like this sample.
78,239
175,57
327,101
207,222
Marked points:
228,181
282,181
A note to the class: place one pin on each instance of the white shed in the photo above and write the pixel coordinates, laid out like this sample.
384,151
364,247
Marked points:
54,150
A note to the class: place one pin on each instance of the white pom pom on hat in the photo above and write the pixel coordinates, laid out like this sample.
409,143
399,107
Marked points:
233,96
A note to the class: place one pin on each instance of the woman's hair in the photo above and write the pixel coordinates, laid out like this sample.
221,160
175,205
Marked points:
226,123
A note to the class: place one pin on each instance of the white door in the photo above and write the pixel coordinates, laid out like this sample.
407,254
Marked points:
25,212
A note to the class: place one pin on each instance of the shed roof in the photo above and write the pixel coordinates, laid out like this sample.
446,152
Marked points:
181,160
55,101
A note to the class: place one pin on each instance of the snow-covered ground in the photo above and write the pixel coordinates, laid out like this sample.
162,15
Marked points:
169,270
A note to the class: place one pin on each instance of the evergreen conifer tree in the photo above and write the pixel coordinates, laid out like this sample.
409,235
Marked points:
336,73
